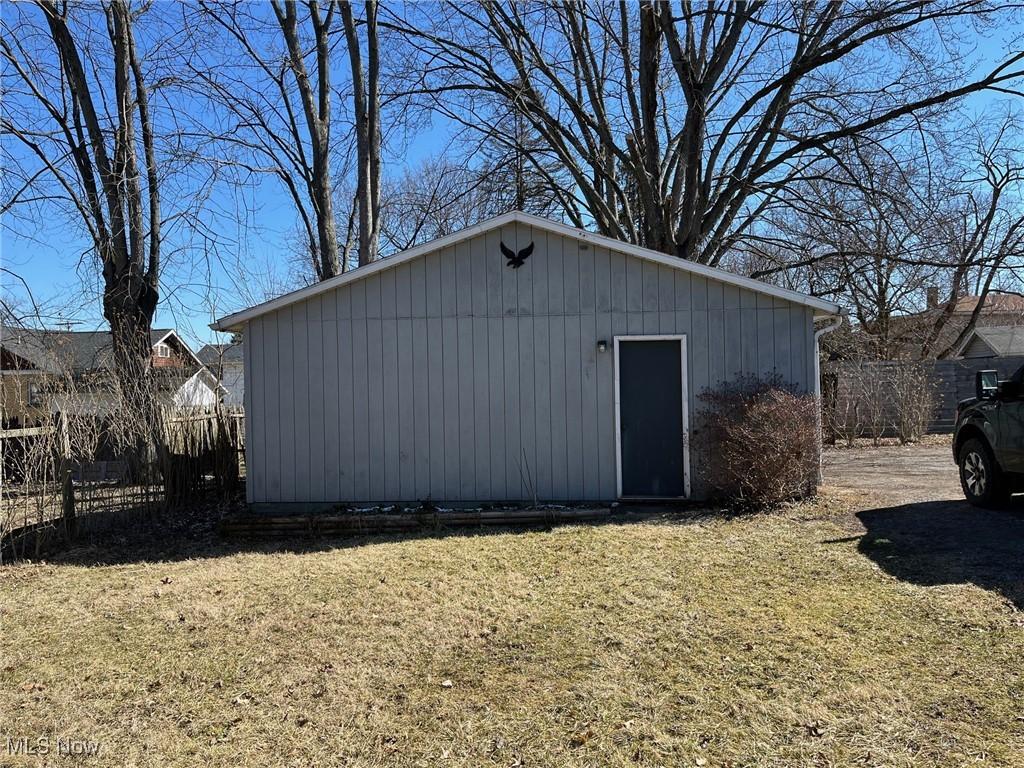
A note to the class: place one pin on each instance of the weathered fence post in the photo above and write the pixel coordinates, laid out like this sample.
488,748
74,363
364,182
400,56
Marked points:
67,503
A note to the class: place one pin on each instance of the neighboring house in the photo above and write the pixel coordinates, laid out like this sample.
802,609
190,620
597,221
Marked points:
857,384
47,371
22,399
518,359
994,341
1000,309
225,360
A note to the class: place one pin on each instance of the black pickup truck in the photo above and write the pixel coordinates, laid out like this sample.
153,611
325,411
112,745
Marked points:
988,443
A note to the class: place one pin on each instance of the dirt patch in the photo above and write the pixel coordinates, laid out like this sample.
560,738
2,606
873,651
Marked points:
896,474
906,506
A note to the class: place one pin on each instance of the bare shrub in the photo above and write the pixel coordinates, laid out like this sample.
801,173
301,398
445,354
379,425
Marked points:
35,455
914,398
840,415
762,441
879,399
861,406
873,401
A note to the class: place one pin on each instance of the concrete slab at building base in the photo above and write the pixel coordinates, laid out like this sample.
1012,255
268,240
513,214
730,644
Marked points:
265,523
356,523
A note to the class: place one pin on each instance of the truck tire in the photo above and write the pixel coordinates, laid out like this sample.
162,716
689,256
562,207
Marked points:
980,475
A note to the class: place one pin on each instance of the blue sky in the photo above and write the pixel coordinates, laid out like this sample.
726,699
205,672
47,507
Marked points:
194,289
245,268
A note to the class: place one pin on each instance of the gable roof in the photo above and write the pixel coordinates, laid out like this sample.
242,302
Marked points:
58,351
235,321
215,354
1003,340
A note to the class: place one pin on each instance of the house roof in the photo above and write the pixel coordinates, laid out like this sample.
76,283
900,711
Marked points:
909,331
994,303
235,321
58,351
215,354
1003,340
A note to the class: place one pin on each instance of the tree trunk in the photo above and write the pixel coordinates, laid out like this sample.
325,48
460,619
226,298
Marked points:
116,215
366,99
317,111
656,234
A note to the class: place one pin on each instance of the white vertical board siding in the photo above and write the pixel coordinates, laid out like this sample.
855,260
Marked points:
457,378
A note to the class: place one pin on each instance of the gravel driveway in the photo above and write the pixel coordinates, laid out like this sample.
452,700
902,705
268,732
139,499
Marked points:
900,473
913,522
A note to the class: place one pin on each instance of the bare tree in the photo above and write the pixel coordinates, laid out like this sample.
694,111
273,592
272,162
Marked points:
899,241
317,110
272,79
986,237
272,117
859,233
432,200
77,107
679,124
366,98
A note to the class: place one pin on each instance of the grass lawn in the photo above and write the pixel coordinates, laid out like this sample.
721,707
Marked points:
765,641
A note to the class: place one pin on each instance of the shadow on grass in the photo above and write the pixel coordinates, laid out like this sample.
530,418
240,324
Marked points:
949,542
187,535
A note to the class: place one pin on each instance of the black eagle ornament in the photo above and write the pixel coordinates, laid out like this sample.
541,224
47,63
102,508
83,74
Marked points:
516,260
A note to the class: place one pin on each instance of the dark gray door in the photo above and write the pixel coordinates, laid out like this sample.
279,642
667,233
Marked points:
651,418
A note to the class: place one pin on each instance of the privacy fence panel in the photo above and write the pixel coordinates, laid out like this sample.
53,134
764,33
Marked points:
866,383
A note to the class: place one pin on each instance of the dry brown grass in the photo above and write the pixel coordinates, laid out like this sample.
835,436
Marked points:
762,641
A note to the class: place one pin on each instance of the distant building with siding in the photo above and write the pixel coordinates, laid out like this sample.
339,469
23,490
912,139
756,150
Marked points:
40,367
225,360
994,341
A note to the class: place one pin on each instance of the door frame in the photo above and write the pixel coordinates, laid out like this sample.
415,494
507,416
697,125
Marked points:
681,338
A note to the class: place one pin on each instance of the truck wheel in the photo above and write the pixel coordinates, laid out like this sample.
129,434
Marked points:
980,476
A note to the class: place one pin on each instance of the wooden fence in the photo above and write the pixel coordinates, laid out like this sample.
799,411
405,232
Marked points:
49,496
952,380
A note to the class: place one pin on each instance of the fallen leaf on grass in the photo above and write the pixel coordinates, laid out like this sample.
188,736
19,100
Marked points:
816,729
581,738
